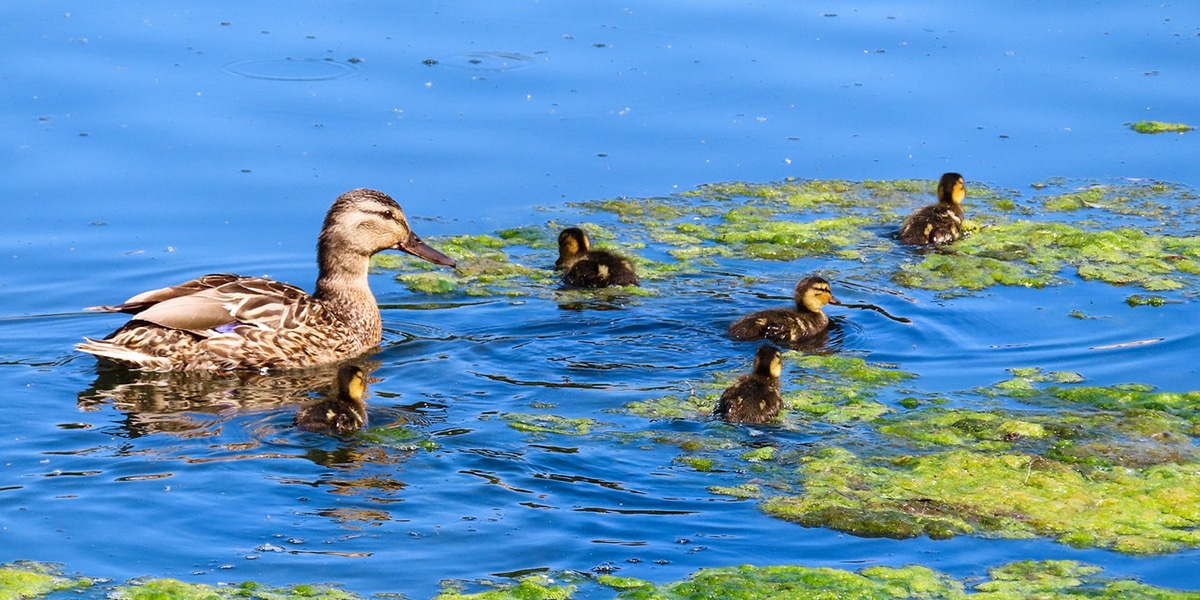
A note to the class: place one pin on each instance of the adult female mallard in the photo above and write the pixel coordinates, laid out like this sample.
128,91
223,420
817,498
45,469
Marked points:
226,322
343,412
587,268
785,326
939,223
754,398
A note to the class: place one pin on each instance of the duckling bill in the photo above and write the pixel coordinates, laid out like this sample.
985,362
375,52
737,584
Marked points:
939,223
228,322
344,412
754,398
785,326
587,268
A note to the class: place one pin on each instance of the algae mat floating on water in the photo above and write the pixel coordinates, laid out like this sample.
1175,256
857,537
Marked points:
1126,233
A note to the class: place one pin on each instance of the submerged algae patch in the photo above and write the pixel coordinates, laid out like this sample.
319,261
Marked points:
158,589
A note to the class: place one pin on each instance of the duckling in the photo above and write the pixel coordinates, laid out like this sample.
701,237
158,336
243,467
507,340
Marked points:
229,322
785,326
587,268
347,411
939,223
754,398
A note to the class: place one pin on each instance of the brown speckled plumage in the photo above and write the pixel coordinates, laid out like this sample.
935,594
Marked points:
785,326
754,398
587,268
226,322
939,223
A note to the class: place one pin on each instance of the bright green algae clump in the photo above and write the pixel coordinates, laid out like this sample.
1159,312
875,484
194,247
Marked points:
1160,127
26,579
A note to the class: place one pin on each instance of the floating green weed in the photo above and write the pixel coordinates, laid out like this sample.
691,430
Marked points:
543,423
1009,494
173,589
533,587
28,579
1160,127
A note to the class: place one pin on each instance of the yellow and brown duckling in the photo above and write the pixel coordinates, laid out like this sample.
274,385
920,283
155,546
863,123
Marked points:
587,268
227,322
754,398
939,223
785,326
344,412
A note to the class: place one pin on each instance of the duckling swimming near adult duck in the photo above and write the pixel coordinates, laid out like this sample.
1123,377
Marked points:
939,223
785,326
227,322
587,268
754,398
346,411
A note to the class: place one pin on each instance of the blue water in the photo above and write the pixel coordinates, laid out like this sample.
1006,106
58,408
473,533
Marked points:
147,145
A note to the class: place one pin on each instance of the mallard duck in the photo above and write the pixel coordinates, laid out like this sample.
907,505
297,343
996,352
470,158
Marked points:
939,223
343,412
227,322
587,268
785,326
754,398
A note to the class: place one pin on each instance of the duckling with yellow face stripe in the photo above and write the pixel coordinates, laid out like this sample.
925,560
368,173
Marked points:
785,326
939,223
754,398
345,412
587,268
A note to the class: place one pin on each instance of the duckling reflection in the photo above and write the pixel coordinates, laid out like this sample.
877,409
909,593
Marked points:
785,326
587,268
184,402
344,412
939,223
754,398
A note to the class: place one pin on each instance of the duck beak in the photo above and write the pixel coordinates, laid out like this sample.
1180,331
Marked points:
414,246
833,300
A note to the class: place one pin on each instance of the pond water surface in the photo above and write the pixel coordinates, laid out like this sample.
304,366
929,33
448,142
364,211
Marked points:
145,146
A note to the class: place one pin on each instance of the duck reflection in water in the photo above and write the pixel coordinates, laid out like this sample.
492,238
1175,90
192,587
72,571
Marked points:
342,412
187,402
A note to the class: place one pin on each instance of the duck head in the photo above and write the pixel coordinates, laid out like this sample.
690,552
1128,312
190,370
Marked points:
364,222
813,293
768,362
572,244
951,189
352,383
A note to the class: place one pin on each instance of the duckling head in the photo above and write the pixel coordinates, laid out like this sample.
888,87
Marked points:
572,244
362,222
768,362
813,293
352,383
951,189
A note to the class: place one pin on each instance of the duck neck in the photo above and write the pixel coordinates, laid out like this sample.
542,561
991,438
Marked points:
342,288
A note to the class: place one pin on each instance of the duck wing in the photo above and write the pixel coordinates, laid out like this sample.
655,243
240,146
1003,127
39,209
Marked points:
243,300
149,298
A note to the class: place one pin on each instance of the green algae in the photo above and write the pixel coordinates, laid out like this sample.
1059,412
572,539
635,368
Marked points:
1045,580
28,579
743,492
840,389
533,587
173,589
1032,254
554,424
1154,510
1152,127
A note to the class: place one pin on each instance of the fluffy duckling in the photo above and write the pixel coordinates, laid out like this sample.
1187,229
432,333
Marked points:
345,412
939,223
785,326
754,398
587,268
228,322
